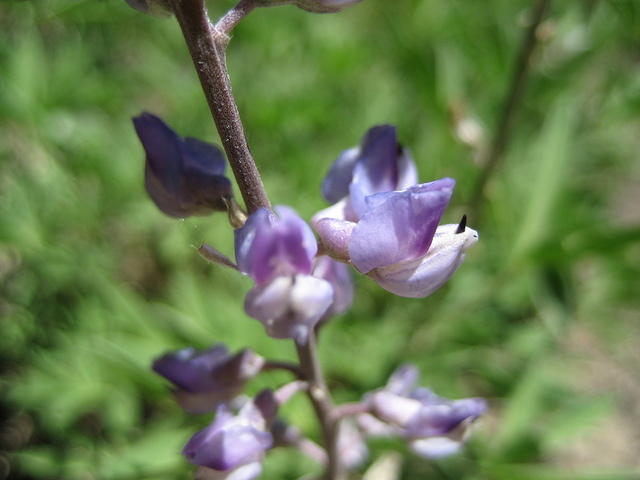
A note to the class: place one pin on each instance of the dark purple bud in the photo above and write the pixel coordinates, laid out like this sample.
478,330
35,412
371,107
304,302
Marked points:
205,379
231,441
183,176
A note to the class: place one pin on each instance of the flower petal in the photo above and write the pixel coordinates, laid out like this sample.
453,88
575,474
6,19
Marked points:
398,226
335,185
269,245
290,306
421,277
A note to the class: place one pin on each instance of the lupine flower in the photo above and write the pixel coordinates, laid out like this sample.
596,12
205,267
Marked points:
433,425
183,176
277,251
233,446
205,379
386,227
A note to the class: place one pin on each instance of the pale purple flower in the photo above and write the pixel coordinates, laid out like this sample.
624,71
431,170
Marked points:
277,251
386,227
434,426
204,379
232,442
183,176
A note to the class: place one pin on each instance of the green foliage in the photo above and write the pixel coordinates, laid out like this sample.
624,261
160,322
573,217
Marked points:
94,282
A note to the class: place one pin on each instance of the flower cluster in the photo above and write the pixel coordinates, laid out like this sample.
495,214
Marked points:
383,223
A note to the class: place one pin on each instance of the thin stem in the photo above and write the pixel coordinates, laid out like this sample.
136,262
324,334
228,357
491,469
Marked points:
280,365
227,23
207,48
512,102
322,404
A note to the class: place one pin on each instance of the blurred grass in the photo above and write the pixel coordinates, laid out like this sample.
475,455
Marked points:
542,318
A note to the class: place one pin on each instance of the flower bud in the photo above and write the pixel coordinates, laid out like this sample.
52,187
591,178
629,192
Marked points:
183,176
205,379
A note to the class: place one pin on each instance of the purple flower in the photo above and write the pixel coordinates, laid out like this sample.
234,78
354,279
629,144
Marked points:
183,176
277,251
434,426
232,442
205,379
386,227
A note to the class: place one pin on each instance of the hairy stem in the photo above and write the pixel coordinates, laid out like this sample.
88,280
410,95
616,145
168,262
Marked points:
512,102
322,404
207,47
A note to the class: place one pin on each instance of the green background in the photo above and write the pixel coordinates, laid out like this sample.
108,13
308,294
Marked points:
542,319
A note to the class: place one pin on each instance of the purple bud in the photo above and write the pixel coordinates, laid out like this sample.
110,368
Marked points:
183,176
435,426
205,379
339,276
232,441
380,164
271,245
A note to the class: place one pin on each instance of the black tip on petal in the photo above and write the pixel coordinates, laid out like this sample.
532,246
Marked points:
462,225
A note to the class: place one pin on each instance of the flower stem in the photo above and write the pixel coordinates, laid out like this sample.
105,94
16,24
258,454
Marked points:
207,47
322,404
512,102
